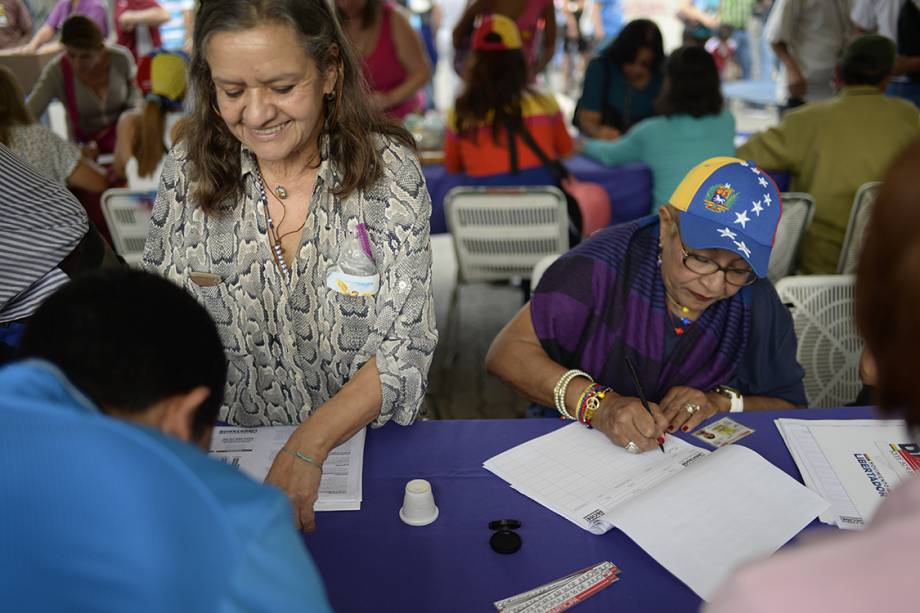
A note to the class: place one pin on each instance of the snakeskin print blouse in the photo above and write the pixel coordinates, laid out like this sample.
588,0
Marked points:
291,344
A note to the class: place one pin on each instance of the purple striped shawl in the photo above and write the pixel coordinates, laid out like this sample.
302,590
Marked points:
605,300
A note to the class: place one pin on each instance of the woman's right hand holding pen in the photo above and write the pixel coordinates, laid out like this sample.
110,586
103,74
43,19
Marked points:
624,419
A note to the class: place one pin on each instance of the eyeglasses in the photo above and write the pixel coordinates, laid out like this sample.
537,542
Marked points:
703,266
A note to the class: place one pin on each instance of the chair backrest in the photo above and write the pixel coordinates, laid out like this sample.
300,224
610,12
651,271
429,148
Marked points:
828,344
502,232
798,209
859,217
540,267
127,213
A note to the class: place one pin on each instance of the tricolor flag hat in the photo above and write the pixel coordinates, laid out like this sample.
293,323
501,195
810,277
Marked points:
496,33
730,204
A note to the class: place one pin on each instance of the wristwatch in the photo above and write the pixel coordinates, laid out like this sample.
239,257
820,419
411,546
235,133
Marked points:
732,394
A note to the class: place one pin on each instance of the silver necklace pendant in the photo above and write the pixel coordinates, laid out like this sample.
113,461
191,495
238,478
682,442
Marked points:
281,193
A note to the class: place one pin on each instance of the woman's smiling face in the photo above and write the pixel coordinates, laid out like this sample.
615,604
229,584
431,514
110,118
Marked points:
269,90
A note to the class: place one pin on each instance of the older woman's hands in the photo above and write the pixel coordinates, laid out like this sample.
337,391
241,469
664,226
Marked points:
623,419
685,407
300,481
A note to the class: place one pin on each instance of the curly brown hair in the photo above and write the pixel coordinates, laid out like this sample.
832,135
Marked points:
213,151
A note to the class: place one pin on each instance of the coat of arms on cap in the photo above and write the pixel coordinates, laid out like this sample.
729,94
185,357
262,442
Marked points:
720,198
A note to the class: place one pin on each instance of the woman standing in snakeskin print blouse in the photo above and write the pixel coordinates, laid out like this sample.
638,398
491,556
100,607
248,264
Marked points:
282,177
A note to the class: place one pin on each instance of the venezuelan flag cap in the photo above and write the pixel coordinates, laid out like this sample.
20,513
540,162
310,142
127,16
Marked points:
730,204
496,33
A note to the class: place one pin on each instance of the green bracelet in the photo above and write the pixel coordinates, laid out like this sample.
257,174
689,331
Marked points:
304,457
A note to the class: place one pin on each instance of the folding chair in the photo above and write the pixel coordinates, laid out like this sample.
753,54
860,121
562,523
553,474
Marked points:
127,214
828,343
859,217
499,234
540,268
798,210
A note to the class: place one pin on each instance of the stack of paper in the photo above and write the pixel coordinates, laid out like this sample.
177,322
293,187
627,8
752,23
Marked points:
852,463
564,593
699,514
254,449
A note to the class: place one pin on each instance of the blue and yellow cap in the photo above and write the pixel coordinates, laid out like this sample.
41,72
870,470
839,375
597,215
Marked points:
727,203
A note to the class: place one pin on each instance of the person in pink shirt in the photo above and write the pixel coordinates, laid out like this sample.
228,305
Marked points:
873,570
94,9
394,58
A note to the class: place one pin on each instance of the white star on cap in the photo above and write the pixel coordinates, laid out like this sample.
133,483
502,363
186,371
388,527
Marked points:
745,164
742,218
767,199
755,170
726,233
742,248
762,181
757,208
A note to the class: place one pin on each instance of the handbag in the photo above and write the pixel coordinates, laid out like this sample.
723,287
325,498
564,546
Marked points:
589,202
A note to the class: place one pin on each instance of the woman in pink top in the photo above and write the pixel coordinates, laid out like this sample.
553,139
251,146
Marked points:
874,570
395,61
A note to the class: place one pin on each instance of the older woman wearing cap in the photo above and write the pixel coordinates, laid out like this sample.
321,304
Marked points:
681,294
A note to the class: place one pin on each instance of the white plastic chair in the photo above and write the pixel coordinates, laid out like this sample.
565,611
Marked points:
859,217
798,210
127,214
828,343
499,234
540,267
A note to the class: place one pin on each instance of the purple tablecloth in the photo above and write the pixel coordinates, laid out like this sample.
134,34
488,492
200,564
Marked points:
371,561
629,188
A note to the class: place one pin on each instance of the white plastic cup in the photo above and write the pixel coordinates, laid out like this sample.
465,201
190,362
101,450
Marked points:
418,504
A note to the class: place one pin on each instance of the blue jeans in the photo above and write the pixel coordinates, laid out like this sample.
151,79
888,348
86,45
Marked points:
743,51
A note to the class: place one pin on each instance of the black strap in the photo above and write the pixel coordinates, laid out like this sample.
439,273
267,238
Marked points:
556,168
512,148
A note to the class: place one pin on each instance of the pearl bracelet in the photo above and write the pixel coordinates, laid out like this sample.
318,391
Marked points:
560,388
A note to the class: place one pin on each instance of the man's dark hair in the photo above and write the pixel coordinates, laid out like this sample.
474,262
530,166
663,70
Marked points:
128,339
691,85
867,60
635,35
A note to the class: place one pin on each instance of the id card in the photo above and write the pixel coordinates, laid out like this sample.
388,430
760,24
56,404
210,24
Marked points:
722,432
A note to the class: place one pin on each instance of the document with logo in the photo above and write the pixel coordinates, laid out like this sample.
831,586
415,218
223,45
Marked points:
253,450
852,463
698,513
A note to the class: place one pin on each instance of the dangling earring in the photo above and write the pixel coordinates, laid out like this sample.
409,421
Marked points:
659,253
327,125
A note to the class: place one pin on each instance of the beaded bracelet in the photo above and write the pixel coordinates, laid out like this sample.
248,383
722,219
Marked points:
304,457
560,389
590,402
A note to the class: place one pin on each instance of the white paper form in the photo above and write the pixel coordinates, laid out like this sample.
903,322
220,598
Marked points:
579,474
699,514
731,507
254,449
853,463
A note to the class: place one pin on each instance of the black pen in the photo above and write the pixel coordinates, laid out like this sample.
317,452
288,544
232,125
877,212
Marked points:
635,378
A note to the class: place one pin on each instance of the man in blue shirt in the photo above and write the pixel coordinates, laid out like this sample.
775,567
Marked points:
107,503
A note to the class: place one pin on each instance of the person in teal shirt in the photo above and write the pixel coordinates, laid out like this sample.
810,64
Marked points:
692,125
109,501
622,82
